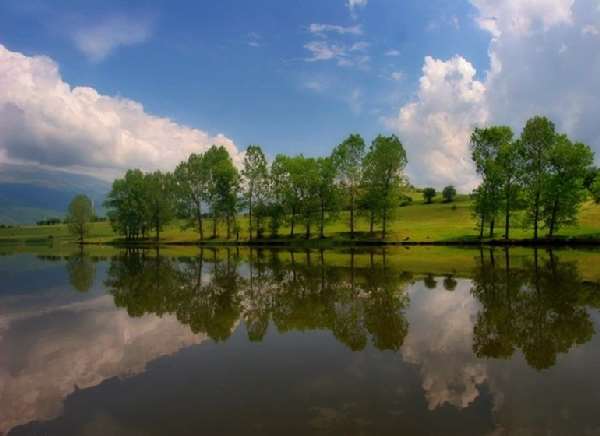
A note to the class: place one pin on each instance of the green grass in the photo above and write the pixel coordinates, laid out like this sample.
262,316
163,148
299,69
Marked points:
418,222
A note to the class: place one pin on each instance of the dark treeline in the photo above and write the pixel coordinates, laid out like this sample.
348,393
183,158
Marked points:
542,173
290,190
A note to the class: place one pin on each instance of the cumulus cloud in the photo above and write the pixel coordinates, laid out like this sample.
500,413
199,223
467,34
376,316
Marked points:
45,121
100,40
436,126
544,59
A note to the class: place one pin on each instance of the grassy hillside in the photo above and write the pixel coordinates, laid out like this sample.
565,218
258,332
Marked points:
417,222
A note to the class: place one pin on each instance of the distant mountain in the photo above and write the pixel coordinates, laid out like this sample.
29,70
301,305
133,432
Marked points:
29,193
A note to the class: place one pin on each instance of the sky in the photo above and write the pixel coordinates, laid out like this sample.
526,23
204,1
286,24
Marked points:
97,87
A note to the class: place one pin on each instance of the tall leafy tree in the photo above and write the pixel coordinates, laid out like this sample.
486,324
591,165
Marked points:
327,191
79,216
191,189
160,205
486,145
537,138
285,172
223,186
383,175
348,157
255,177
564,189
126,205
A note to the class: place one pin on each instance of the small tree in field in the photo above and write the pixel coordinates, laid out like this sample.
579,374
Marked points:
595,189
79,215
449,194
428,195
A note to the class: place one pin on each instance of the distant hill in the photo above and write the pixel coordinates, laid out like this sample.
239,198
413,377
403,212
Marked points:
29,193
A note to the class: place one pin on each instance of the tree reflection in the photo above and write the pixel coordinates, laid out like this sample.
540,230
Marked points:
295,290
539,307
82,272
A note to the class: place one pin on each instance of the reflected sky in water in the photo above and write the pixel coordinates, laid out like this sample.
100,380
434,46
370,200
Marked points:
307,342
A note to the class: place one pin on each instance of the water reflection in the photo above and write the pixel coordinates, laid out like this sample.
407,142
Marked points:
314,338
294,291
539,307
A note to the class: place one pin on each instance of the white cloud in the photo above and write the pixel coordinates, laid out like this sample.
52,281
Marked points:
352,56
322,29
43,120
519,16
392,53
254,39
436,125
353,4
440,342
590,29
544,59
397,75
100,40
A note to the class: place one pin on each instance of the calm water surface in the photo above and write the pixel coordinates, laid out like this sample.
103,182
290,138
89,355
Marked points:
463,342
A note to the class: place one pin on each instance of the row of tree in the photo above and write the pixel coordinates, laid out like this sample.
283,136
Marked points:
291,189
542,173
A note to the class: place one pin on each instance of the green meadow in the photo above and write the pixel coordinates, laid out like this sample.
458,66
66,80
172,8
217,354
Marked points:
418,222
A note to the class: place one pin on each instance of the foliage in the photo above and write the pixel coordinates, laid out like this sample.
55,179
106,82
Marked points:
348,159
79,216
449,194
256,186
429,195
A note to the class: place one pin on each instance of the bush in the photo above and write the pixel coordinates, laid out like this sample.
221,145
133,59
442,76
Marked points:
449,194
428,195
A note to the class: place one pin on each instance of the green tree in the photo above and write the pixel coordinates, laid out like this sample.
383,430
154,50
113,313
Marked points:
348,157
537,138
383,175
428,195
159,200
255,176
79,215
449,194
223,186
285,172
126,205
327,192
191,189
595,190
563,188
486,146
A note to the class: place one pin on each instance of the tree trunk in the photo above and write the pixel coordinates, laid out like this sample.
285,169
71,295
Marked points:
507,215
199,220
157,227
292,224
384,224
214,230
492,223
481,227
250,219
321,228
352,214
307,229
553,218
536,215
228,226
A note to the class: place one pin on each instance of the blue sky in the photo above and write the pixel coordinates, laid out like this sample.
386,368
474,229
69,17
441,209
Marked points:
293,76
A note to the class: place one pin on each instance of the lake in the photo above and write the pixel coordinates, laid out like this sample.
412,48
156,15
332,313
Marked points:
259,341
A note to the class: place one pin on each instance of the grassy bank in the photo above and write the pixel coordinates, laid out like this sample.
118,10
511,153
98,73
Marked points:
428,223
